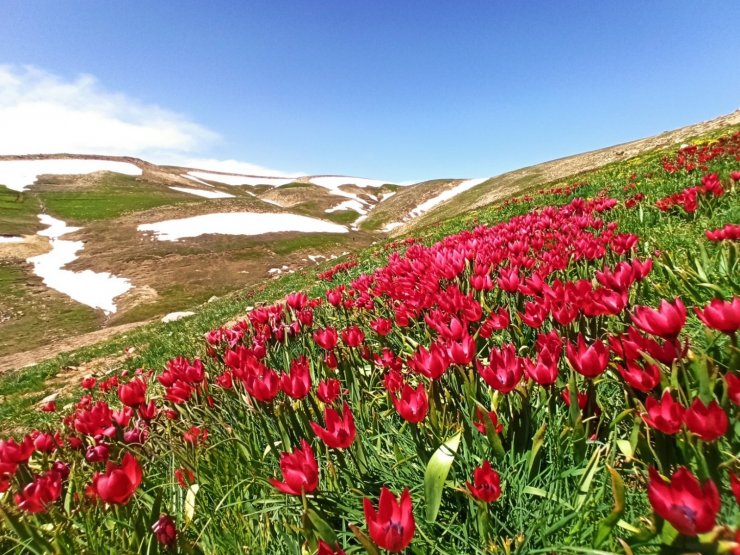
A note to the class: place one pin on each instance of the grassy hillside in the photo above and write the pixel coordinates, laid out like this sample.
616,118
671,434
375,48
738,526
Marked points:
102,198
521,180
18,213
404,201
570,477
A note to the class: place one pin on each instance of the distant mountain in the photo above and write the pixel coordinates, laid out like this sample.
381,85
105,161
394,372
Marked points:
90,241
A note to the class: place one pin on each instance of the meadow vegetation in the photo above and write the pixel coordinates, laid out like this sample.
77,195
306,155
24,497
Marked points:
555,373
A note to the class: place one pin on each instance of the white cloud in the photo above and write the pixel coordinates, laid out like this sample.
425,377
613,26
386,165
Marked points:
43,113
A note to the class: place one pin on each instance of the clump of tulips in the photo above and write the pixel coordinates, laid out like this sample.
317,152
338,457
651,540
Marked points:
541,358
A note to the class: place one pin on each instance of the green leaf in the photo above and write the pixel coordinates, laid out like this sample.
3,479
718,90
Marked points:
321,526
626,448
539,492
190,503
608,524
436,474
364,540
591,469
537,443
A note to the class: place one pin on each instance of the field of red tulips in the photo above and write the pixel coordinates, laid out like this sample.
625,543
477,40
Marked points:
558,373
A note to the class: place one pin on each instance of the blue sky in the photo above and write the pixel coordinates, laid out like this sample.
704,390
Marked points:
385,89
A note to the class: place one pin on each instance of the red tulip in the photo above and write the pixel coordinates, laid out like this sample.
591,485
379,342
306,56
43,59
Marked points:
484,418
263,386
94,420
709,422
691,508
588,361
721,315
334,296
326,338
735,486
97,453
46,443
733,388
392,526
179,392
165,530
89,382
382,326
508,280
564,313
497,320
481,282
581,397
665,415
44,489
330,359
119,482
413,404
296,301
505,369
486,484
326,549
550,343
300,471
340,430
353,336
431,363
133,393
329,390
123,416
195,436
149,411
184,477
535,312
544,371
463,351
297,384
643,378
393,381
632,346
666,321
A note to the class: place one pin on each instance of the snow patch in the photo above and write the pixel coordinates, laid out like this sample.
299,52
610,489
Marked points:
202,193
7,239
268,201
200,181
19,174
94,289
238,223
351,204
236,180
175,316
445,196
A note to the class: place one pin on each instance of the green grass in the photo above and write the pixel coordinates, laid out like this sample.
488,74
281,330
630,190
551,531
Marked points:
316,242
11,278
462,202
296,185
154,344
232,507
18,212
398,206
342,217
110,197
186,336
